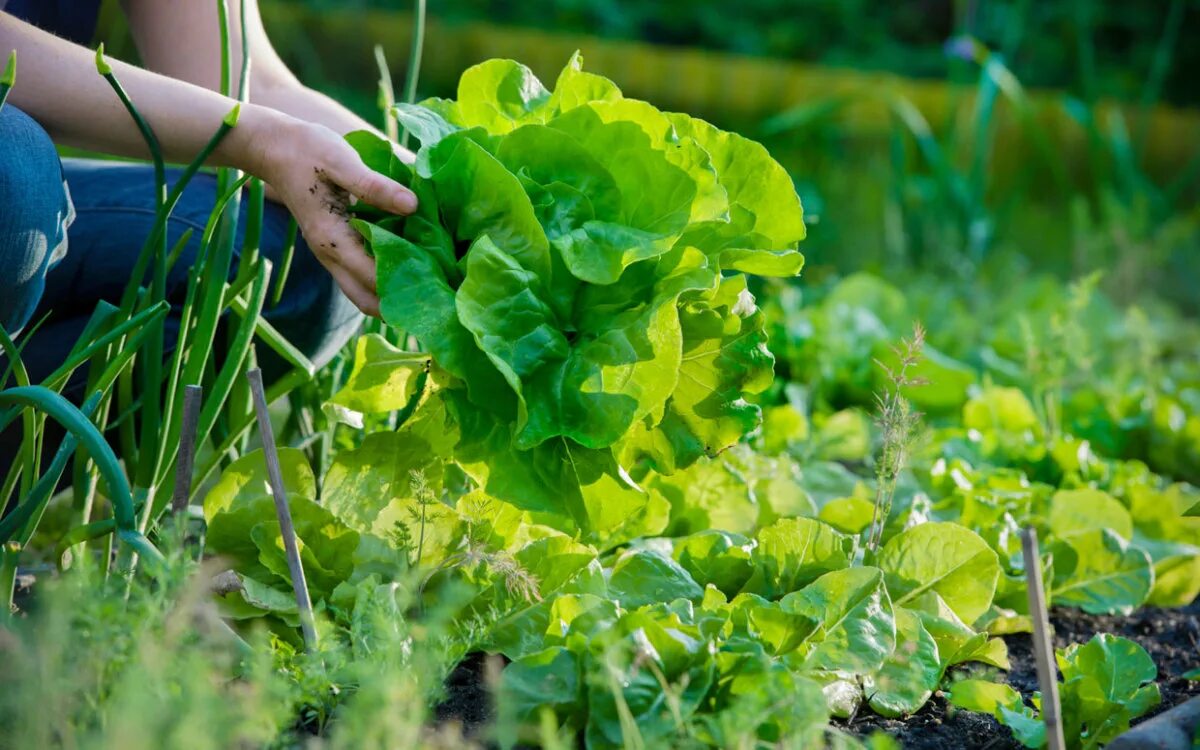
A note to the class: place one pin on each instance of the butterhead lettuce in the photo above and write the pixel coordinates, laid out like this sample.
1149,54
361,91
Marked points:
575,272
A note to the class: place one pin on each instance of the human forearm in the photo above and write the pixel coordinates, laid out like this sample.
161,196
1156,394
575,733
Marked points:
290,96
59,87
182,39
310,166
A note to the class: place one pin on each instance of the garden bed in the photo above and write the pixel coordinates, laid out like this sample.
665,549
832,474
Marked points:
1170,636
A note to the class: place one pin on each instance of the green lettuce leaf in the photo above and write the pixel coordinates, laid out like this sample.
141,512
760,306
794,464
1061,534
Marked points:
945,558
1100,573
568,271
384,379
793,552
856,629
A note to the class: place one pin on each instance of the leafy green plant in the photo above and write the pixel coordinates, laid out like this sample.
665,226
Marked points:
1106,683
565,272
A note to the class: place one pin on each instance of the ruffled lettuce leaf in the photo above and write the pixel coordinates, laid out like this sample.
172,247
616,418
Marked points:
571,273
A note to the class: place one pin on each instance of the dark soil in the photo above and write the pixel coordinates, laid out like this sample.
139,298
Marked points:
1170,636
468,701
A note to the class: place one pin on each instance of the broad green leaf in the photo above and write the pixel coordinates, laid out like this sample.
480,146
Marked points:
708,495
825,481
849,515
557,478
1074,511
710,207
756,185
327,547
255,599
554,560
1112,668
241,499
1005,410
1107,682
778,630
245,480
499,95
657,196
551,678
1172,538
856,629
656,665
793,552
725,359
642,696
783,263
870,292
380,155
609,379
477,196
384,379
781,426
717,558
910,675
545,157
984,696
761,697
776,482
843,436
642,577
392,484
576,87
945,558
1100,573
500,303
956,641
428,126
416,297
590,217
1005,704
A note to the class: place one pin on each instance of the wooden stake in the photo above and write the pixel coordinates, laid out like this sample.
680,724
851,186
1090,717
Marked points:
192,395
1043,646
275,476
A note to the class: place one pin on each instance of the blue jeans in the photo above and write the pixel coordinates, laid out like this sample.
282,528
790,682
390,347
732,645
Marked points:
58,262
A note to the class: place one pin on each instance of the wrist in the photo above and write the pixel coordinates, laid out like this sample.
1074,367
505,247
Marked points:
252,141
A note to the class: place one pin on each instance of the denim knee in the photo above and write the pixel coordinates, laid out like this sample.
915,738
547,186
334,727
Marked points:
36,213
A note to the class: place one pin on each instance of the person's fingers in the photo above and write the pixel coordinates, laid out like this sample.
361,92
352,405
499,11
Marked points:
351,255
372,187
364,300
341,250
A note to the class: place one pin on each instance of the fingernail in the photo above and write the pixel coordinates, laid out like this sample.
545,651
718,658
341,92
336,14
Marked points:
408,201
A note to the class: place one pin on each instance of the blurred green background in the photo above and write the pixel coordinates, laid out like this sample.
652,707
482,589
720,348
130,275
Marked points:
997,138
1089,47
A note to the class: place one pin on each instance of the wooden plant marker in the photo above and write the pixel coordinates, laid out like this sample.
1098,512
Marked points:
1043,646
192,395
275,476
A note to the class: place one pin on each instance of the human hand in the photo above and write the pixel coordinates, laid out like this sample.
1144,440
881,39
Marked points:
316,174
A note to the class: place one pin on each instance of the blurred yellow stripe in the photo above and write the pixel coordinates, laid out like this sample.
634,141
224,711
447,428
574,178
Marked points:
730,88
